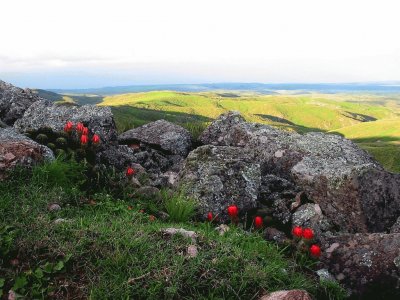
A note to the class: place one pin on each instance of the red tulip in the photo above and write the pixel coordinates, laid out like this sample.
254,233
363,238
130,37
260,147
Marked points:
85,131
68,126
95,139
233,211
297,231
79,127
210,216
315,251
258,222
130,172
308,233
84,139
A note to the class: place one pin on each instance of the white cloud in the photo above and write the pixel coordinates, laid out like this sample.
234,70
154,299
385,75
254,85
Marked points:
208,40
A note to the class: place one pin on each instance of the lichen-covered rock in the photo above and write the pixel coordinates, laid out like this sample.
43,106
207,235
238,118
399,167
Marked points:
367,264
396,226
352,189
18,150
44,114
310,215
14,102
161,135
220,176
274,235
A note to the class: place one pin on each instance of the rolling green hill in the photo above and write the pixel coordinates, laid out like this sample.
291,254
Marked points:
381,138
299,112
372,120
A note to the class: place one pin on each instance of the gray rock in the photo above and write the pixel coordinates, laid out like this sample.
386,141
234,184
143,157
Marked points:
18,150
367,264
287,295
310,216
14,102
396,226
275,235
352,189
54,207
162,135
220,176
186,233
44,114
324,275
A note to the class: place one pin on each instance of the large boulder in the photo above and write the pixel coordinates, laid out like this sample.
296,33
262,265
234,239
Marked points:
367,264
18,150
14,102
161,135
351,188
44,114
220,176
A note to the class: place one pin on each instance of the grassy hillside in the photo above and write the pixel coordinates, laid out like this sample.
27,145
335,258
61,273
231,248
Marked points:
381,138
369,119
300,112
99,246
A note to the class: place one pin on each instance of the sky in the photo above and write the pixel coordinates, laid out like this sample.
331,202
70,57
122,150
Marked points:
95,43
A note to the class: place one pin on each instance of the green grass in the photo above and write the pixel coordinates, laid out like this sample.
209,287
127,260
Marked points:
108,249
312,112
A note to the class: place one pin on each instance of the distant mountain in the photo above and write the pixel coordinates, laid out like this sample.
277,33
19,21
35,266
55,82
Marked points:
263,88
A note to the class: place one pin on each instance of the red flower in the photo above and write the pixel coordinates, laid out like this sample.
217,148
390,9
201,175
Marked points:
210,216
141,211
95,139
69,126
258,222
79,127
297,231
130,207
85,131
308,233
315,251
152,218
233,211
84,139
130,172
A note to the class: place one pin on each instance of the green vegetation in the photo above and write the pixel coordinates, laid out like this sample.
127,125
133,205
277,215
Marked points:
101,247
370,120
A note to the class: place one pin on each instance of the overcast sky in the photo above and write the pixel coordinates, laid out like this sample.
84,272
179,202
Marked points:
94,43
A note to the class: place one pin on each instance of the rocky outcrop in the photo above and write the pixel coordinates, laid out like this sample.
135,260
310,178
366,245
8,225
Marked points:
18,150
396,226
220,176
161,135
368,264
44,114
351,188
14,102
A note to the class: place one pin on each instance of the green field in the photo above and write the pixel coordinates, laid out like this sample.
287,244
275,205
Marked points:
372,120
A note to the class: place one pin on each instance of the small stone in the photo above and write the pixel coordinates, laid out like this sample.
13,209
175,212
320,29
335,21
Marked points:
59,221
54,207
186,233
287,295
222,229
325,275
192,251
